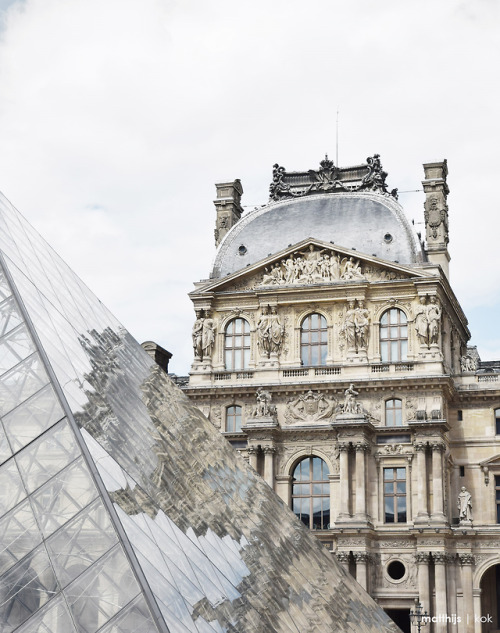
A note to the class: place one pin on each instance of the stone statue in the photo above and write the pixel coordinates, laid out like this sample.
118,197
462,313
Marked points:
197,334
351,269
464,505
434,318
351,405
276,331
362,321
421,323
349,325
467,363
263,333
263,408
208,336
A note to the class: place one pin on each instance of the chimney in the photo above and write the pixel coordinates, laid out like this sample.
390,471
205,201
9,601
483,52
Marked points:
436,214
228,207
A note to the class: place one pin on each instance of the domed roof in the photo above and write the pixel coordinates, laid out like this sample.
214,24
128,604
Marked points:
369,222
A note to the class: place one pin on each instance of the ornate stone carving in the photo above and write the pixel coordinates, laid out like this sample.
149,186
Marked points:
464,504
312,266
362,557
393,449
422,557
343,557
203,335
329,178
436,219
466,559
270,332
356,326
467,363
439,558
197,335
310,407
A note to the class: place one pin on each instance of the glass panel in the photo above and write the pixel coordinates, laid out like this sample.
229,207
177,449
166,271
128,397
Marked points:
54,618
237,326
401,509
388,474
394,351
134,618
63,496
21,382
11,486
45,457
401,487
5,451
401,473
9,316
19,534
404,350
81,542
384,352
389,511
4,286
14,347
25,588
100,592
388,488
32,417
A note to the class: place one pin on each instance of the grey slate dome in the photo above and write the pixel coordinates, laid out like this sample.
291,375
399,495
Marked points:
367,221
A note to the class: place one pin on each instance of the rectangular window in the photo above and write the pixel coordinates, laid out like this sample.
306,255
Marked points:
462,471
460,415
395,495
497,496
497,421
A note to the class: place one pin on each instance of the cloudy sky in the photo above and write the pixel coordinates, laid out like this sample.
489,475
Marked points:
118,116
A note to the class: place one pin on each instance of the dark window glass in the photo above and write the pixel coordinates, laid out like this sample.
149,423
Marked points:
395,495
311,493
393,336
497,496
313,340
460,416
497,421
394,412
237,345
233,419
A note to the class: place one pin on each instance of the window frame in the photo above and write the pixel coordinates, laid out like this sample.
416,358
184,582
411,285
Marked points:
238,355
394,494
308,348
391,413
312,493
386,347
233,416
496,413
497,497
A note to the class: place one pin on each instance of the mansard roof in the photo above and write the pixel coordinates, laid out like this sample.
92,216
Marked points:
349,206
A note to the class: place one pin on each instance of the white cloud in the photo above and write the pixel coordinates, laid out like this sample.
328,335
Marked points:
117,116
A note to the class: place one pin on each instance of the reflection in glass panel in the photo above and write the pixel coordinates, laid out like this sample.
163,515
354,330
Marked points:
45,457
19,534
53,618
11,486
100,592
21,382
31,418
81,542
63,496
5,451
25,588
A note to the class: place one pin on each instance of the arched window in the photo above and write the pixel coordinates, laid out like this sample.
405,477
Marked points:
237,344
313,340
393,412
311,493
393,336
233,419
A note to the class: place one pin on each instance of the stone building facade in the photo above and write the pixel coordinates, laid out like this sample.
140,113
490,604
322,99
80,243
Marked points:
331,351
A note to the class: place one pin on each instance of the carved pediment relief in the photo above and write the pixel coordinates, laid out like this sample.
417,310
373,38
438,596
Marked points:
309,407
308,263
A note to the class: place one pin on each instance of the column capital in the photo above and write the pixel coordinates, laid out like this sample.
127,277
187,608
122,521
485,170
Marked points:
466,559
451,559
342,557
343,446
362,557
269,450
362,447
420,446
439,558
422,558
438,446
252,450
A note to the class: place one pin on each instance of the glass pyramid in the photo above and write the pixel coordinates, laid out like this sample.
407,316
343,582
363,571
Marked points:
121,508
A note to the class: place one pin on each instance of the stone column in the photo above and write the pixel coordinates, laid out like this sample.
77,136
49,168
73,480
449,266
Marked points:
343,558
452,591
362,559
440,583
467,560
437,482
422,560
361,449
269,465
344,480
422,510
252,456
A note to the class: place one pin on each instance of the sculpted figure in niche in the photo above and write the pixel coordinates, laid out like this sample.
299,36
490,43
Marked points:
362,325
422,323
467,363
356,326
197,334
434,317
276,331
464,505
349,325
208,336
263,333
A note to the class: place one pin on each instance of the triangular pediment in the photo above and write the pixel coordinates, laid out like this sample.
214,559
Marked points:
311,262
